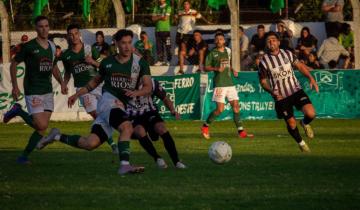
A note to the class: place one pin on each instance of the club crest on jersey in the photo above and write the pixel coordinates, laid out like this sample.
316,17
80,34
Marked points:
108,66
36,51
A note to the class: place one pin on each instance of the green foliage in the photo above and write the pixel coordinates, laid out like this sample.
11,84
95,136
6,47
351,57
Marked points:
266,172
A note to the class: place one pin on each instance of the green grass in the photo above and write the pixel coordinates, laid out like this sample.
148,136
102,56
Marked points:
267,172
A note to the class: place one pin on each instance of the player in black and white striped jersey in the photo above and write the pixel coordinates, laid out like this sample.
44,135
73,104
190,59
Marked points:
277,77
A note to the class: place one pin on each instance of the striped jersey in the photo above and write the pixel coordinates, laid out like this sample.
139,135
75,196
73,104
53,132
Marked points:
279,71
142,104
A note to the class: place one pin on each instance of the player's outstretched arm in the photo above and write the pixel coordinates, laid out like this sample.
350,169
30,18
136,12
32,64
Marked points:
304,69
170,105
15,88
91,85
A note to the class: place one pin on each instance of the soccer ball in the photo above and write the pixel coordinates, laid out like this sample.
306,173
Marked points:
220,152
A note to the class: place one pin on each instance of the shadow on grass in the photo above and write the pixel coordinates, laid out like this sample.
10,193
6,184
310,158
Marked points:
82,180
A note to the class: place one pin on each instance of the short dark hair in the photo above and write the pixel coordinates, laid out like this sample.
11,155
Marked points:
241,28
196,31
40,18
143,32
271,33
122,33
58,47
260,26
72,26
99,33
219,34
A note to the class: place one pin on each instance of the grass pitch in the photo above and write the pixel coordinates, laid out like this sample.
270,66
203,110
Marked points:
266,172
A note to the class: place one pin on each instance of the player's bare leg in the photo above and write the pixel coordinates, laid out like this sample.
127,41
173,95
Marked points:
294,132
309,115
238,123
205,128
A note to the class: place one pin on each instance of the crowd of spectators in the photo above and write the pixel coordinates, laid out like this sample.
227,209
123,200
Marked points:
335,52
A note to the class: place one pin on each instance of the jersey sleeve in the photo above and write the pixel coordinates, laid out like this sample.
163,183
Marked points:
208,60
159,90
262,71
21,54
293,57
95,54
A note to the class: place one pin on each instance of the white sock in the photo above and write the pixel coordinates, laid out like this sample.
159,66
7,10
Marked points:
124,162
302,143
57,137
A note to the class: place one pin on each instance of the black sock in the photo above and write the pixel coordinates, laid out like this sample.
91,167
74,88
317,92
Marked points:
295,134
307,120
170,147
146,143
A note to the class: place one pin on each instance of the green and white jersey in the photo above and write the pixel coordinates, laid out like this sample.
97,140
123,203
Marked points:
216,59
164,10
38,67
74,63
119,77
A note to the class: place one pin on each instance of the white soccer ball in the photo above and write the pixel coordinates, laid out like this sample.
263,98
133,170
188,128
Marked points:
220,152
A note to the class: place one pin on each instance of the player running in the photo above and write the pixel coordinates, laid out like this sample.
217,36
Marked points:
38,55
277,77
218,61
147,119
121,74
80,61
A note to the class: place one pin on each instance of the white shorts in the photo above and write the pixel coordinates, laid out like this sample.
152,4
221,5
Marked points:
40,103
89,101
104,123
220,93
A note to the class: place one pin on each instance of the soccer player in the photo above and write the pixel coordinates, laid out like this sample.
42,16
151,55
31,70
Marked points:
121,74
277,77
218,61
81,61
148,120
38,55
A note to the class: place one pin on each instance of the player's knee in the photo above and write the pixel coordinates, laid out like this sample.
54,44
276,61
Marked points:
236,109
41,126
139,131
126,128
291,123
160,128
311,114
219,110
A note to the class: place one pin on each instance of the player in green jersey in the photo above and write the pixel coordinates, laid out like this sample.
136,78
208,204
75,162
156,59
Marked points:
121,74
218,61
80,61
38,55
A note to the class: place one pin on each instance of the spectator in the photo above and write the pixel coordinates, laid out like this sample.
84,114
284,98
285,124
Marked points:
145,48
285,35
255,65
244,44
258,41
113,48
15,49
346,39
100,45
332,65
313,61
195,52
161,16
331,49
187,19
306,44
58,51
334,16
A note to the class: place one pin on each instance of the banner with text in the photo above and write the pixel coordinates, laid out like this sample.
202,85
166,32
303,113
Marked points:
184,92
339,96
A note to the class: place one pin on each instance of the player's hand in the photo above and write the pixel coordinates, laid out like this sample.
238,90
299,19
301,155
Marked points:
15,93
176,115
236,74
71,100
277,97
89,60
131,93
64,89
314,85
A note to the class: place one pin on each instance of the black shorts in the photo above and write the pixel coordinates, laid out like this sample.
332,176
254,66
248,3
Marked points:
99,131
182,38
284,108
148,121
117,117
